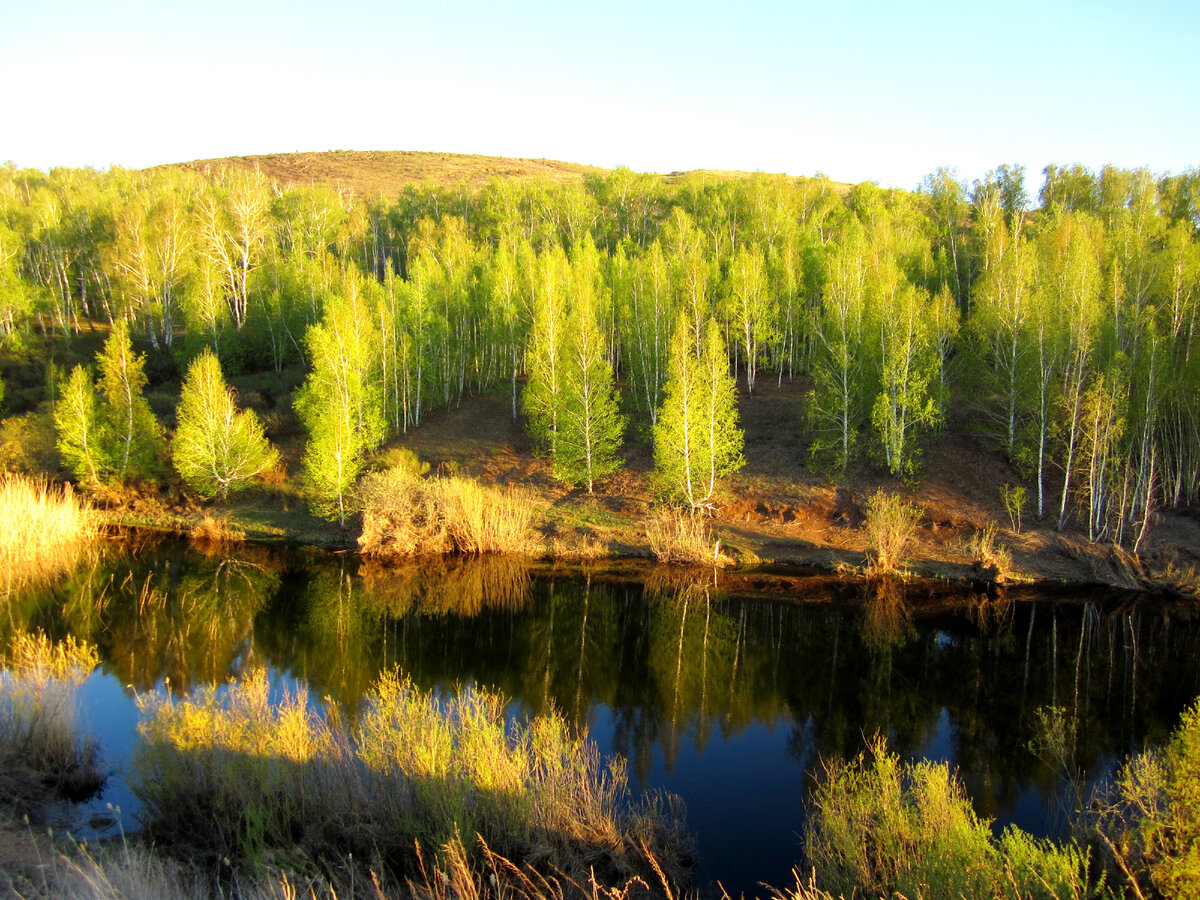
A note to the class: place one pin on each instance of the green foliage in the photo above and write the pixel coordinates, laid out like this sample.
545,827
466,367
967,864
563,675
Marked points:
1150,823
217,447
340,402
883,828
697,439
134,434
1013,498
104,438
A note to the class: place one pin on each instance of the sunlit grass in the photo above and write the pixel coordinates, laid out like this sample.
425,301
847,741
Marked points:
679,536
890,524
405,515
44,530
42,749
238,774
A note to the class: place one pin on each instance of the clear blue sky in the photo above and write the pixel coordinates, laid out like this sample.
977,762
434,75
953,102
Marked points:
886,91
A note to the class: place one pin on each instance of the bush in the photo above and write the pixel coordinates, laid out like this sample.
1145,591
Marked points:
1150,822
890,523
883,828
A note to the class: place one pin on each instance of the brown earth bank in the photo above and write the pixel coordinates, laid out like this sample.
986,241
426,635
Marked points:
778,519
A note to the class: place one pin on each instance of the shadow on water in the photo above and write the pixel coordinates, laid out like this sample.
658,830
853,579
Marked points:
727,700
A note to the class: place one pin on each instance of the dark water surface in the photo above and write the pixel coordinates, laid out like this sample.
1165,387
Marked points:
730,702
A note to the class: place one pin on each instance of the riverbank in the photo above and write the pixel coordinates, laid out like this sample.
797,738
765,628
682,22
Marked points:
773,515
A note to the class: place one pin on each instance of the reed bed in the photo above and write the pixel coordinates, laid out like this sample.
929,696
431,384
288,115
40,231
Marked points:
684,538
232,775
405,515
44,531
42,750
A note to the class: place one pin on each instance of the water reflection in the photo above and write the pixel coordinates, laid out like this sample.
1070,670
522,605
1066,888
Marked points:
698,687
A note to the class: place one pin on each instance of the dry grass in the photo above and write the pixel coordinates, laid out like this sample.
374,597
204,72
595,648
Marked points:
889,523
994,561
684,537
375,173
215,533
404,515
42,752
237,776
44,530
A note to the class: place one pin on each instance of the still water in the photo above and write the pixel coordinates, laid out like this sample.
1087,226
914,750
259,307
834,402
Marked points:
729,701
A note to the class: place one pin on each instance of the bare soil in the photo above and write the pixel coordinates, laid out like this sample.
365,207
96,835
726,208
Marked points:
778,512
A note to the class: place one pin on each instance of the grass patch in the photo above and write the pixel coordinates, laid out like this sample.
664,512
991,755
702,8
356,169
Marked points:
404,515
684,537
992,560
233,775
42,753
215,533
44,531
890,524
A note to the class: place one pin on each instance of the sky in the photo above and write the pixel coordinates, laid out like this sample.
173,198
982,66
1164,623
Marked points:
879,91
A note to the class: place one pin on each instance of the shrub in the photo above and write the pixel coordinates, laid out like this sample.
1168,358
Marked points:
883,828
889,523
1150,822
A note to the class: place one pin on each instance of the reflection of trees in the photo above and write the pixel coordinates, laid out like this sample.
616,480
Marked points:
191,623
162,614
674,661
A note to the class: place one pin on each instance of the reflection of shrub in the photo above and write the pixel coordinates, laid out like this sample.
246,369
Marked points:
41,747
883,828
236,776
1150,823
43,530
889,523
405,515
684,537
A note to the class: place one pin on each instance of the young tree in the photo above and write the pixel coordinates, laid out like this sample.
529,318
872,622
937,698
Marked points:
696,438
340,402
217,447
589,424
77,422
135,434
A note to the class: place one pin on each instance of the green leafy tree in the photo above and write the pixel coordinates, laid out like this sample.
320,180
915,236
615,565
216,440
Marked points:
135,433
589,424
77,422
697,439
340,403
217,448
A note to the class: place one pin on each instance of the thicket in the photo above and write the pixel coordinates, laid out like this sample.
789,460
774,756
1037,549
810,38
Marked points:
1065,328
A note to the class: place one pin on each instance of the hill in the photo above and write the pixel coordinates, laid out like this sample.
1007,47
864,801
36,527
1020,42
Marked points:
375,173
385,173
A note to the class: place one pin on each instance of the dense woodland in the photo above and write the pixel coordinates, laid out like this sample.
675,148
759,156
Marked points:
621,307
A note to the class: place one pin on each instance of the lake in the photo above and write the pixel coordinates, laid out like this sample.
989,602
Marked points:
731,701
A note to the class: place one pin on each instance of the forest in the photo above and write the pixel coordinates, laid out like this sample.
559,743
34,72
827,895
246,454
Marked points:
611,309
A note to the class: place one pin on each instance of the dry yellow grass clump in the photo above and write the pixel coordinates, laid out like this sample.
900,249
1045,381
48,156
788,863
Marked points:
42,749
404,515
43,531
684,537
